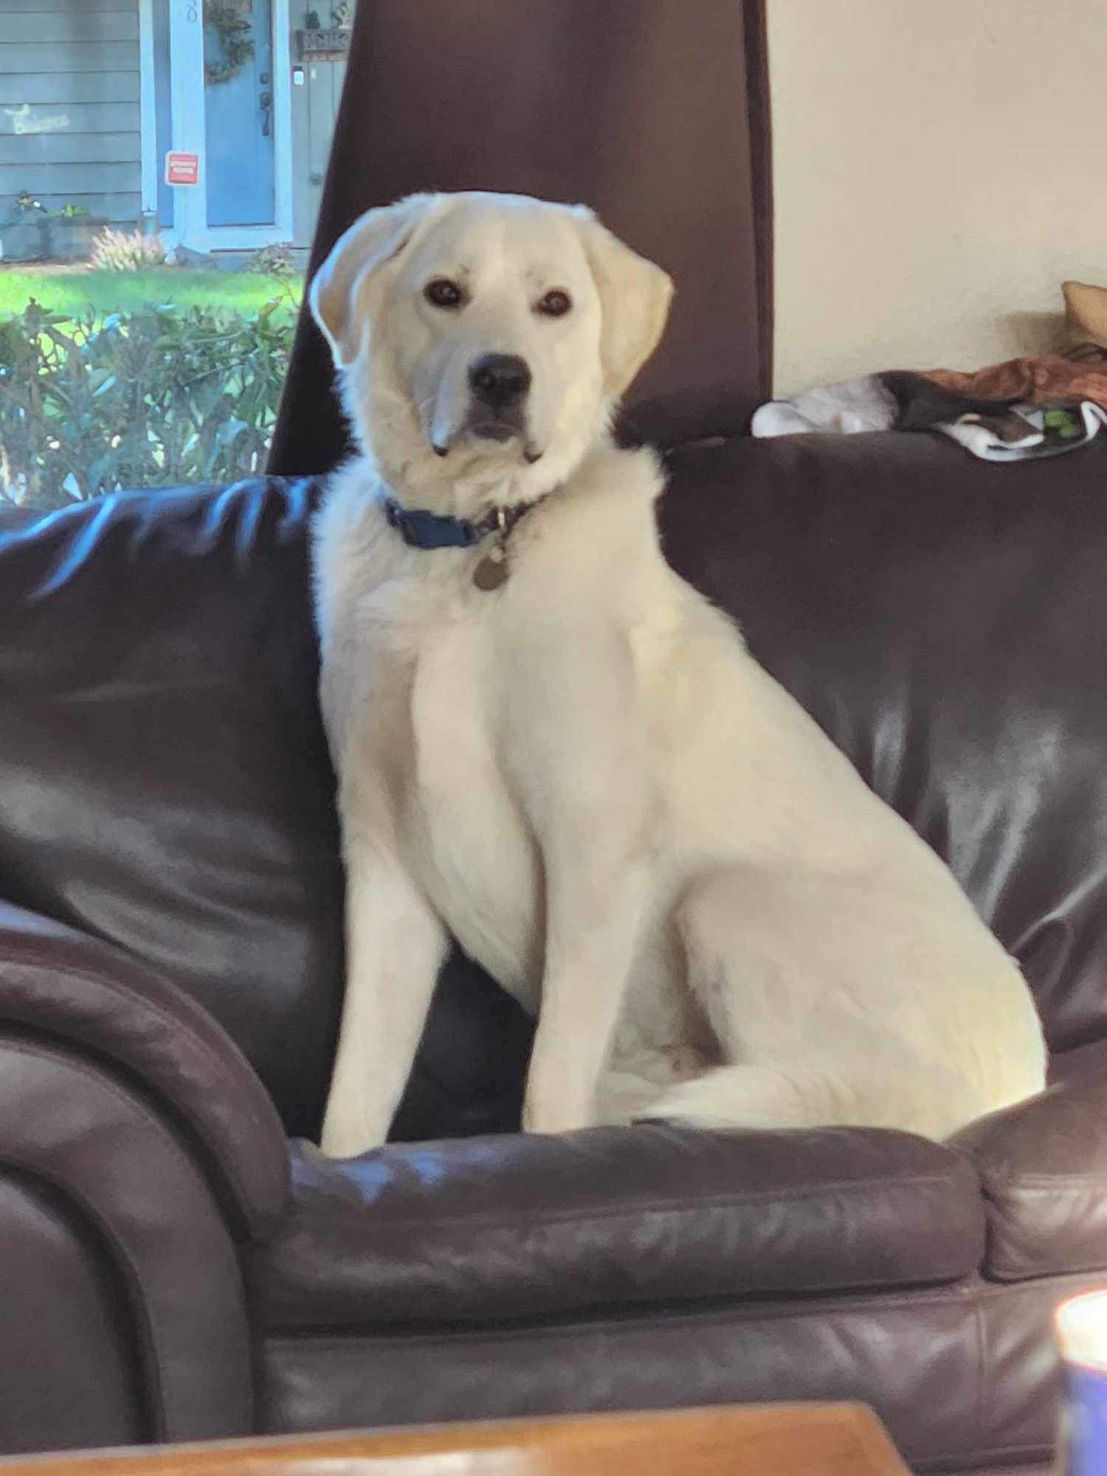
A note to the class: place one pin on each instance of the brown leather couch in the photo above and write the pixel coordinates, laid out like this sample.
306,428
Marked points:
176,1259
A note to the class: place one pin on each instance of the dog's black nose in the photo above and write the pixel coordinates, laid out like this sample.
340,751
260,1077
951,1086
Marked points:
499,380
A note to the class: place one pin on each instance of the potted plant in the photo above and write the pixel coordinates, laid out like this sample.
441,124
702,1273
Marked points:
24,235
72,232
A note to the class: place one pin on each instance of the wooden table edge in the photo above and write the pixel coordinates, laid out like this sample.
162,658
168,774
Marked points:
562,1436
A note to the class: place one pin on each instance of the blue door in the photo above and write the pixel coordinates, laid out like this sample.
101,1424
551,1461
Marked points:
238,112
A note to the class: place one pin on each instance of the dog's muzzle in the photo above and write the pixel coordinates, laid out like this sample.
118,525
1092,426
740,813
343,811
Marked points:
499,384
498,387
500,381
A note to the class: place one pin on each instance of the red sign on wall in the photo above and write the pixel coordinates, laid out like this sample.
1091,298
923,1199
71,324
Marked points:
182,169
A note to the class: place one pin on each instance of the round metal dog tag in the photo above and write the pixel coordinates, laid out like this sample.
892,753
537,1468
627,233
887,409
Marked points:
491,572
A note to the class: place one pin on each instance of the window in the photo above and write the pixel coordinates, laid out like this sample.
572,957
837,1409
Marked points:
161,166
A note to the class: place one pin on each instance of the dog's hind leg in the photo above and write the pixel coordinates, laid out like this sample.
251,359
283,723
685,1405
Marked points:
395,945
812,1094
718,921
753,1096
817,1010
632,1085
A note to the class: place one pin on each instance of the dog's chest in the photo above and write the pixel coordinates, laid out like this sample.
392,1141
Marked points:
427,728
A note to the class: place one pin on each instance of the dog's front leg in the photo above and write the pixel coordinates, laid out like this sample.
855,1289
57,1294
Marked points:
395,945
578,756
594,912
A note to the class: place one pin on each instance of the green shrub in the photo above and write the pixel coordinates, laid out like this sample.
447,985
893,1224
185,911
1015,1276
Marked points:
151,397
277,260
126,251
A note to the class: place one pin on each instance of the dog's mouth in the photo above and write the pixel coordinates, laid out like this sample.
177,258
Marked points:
499,429
493,430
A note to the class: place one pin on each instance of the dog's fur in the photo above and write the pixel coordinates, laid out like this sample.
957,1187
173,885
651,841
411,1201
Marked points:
583,775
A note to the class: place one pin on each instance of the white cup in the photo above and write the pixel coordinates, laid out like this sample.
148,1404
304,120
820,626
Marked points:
1080,1328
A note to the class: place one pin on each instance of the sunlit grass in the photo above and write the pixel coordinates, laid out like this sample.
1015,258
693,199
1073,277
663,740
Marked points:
75,292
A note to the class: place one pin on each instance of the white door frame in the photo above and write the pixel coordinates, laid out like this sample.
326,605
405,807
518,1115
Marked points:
148,105
186,48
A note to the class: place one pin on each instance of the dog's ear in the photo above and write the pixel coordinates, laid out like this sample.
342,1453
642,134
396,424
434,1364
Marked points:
634,299
373,239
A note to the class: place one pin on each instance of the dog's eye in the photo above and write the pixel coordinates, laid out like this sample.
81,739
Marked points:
443,293
555,304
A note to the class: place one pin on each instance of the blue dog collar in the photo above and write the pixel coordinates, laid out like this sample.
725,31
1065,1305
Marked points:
422,529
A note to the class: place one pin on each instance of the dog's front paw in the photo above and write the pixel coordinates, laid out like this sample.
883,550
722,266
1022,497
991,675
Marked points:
344,1139
555,1117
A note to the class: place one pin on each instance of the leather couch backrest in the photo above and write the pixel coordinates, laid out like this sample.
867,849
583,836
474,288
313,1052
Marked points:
164,781
945,620
165,785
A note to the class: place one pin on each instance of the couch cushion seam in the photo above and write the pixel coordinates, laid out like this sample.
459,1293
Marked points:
688,1205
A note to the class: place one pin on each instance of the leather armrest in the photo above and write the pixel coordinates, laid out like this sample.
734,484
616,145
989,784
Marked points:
112,1177
96,1002
1043,1165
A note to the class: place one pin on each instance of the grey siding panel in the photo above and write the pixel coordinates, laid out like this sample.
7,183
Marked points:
69,179
120,206
20,7
56,89
70,118
75,26
69,56
61,148
69,104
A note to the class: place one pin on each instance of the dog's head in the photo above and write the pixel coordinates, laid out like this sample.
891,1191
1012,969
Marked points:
482,340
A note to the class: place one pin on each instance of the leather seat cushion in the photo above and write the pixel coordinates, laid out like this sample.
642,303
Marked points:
521,1226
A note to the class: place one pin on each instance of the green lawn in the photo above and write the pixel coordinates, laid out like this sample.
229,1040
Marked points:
74,292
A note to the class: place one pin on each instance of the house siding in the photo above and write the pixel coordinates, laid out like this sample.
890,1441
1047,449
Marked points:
69,105
314,110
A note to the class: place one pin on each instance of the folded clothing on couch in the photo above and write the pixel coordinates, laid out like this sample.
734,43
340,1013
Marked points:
1015,411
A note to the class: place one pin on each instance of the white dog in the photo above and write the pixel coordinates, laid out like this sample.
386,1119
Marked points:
553,748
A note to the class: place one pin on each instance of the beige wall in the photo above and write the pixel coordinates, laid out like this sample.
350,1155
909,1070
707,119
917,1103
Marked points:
939,169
